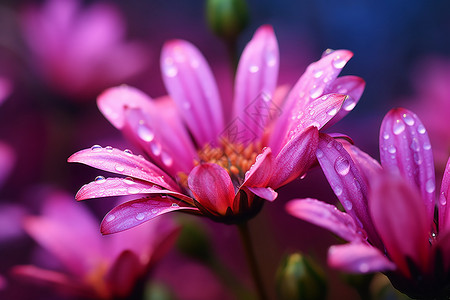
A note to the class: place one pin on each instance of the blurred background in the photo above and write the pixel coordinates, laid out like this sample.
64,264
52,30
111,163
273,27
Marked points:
51,72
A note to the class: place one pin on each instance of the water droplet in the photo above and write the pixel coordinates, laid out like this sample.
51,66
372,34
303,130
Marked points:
96,148
316,91
318,73
421,129
364,268
303,176
338,62
398,127
429,186
166,159
145,133
417,158
332,111
129,180
175,205
169,68
319,153
427,145
133,190
443,199
349,104
415,144
408,119
342,166
254,69
109,148
386,135
357,184
271,59
156,148
155,210
391,149
347,205
99,179
119,168
337,190
128,152
327,52
110,217
140,216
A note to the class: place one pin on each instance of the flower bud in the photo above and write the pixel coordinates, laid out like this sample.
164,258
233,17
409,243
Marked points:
227,18
298,277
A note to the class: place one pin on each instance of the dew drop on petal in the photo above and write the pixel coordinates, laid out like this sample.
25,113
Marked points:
337,190
174,205
140,216
109,148
156,148
253,68
342,166
133,190
96,148
415,144
316,91
303,176
119,168
332,111
129,180
386,135
442,199
169,68
429,186
99,179
319,153
166,159
398,127
417,158
391,149
155,210
145,133
338,62
327,52
110,217
128,152
318,73
408,119
271,59
427,145
347,205
349,104
363,268
421,129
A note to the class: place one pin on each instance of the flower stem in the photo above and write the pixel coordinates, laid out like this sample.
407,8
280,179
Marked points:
250,254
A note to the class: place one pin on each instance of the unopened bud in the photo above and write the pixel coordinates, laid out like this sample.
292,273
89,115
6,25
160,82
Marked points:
227,18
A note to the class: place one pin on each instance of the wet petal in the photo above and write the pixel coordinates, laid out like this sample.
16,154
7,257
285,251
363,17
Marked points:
326,216
124,163
400,217
255,84
358,258
212,187
111,187
136,212
444,197
346,182
190,82
265,193
295,158
260,172
405,149
367,166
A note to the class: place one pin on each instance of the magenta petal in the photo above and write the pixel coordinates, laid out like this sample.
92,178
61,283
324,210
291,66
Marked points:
123,274
346,182
190,82
326,216
260,172
358,258
353,87
400,217
111,187
124,163
442,247
255,84
212,187
444,198
133,213
405,148
367,166
295,158
265,193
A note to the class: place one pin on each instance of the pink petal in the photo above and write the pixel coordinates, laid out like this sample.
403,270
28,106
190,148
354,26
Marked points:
367,166
123,274
111,187
256,79
124,163
346,182
5,89
260,172
311,85
326,216
265,193
136,212
168,145
212,187
353,87
444,197
442,249
400,217
295,158
189,81
405,149
358,258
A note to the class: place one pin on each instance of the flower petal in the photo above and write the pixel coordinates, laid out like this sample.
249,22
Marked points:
295,158
190,82
444,198
124,273
265,193
405,149
358,258
326,216
111,187
135,212
212,187
124,163
346,182
260,172
367,166
256,79
400,217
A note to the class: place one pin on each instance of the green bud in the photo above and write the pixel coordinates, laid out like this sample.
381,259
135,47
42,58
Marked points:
193,241
227,18
300,278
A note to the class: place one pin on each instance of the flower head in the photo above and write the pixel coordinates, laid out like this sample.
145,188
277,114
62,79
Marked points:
389,219
92,266
203,160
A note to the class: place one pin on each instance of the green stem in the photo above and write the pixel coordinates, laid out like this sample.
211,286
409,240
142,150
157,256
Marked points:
250,254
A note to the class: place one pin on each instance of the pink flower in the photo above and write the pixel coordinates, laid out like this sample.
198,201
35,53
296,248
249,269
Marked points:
204,161
80,51
93,266
389,219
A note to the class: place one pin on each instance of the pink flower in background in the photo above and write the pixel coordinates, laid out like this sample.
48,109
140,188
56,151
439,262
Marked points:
92,265
5,89
389,219
206,162
80,51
